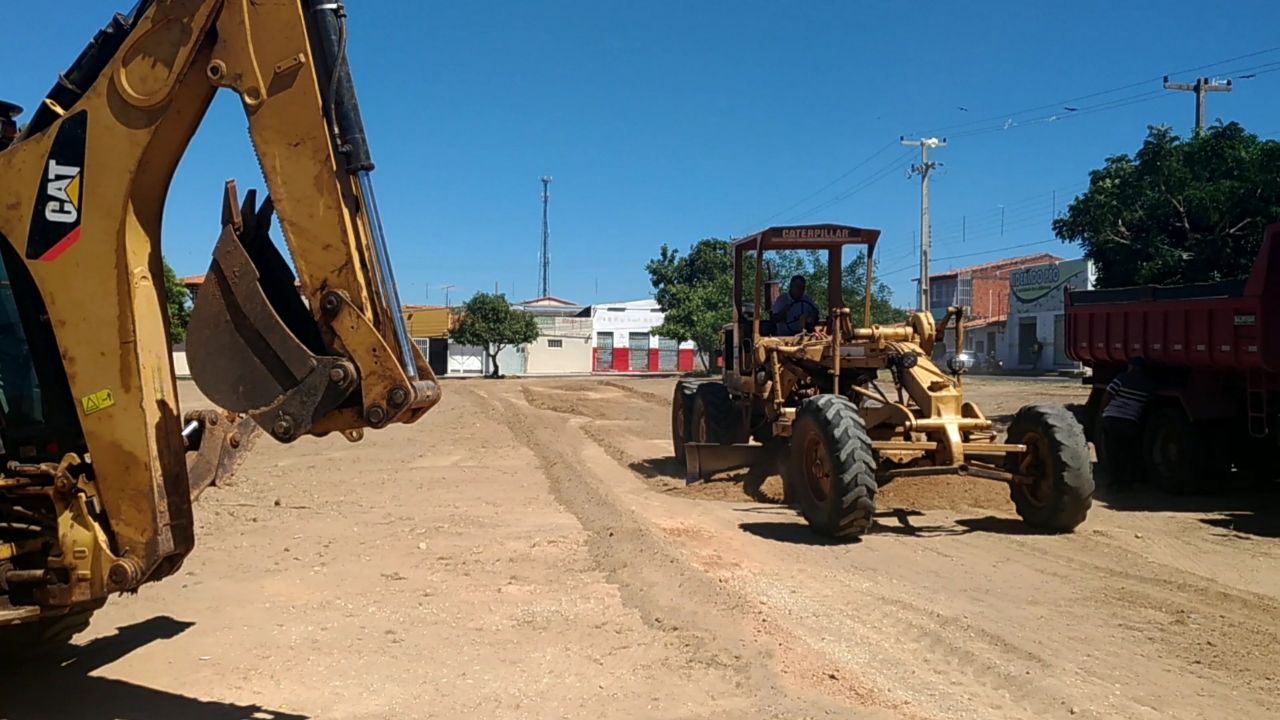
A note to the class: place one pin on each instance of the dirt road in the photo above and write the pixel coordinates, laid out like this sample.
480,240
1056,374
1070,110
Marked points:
529,551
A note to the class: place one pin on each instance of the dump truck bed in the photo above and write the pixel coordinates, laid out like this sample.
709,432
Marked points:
1227,326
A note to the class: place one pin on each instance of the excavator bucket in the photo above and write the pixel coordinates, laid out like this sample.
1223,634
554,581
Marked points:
252,345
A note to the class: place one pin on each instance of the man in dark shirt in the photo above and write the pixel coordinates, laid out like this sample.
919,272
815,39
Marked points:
1126,399
794,312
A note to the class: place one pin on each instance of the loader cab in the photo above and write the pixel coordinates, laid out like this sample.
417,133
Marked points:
8,123
38,420
755,287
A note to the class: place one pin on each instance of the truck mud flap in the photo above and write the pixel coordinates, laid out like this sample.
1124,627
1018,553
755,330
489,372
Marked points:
252,345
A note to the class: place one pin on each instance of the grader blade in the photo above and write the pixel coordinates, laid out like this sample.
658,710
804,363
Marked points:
704,460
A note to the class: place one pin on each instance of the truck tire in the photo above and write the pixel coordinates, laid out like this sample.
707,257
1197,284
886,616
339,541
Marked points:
715,417
681,405
832,470
45,635
1058,457
1176,455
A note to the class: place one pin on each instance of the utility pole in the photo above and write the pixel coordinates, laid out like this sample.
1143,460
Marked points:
544,269
1199,87
923,169
446,289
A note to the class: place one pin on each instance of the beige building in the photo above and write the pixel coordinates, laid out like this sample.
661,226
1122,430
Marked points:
564,338
563,346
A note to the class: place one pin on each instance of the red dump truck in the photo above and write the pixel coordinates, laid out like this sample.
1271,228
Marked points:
1214,352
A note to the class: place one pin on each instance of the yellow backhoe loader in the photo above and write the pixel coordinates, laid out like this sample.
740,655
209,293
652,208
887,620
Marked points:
98,464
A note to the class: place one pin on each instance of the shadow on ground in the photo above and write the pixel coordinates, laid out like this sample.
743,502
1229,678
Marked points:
1245,507
889,522
62,686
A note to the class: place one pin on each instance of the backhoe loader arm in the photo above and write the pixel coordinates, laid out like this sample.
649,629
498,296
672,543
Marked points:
98,463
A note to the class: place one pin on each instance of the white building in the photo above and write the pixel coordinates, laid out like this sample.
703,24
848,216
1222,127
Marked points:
1036,329
624,340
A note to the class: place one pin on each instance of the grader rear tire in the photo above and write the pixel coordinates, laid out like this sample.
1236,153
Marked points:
1058,457
715,418
681,406
832,471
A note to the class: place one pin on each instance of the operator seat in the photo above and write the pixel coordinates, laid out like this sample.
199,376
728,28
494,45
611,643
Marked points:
8,123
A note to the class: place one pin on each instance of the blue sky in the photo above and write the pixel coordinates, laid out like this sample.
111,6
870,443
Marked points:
666,122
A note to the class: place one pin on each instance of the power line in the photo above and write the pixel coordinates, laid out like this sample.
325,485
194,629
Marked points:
1009,123
819,191
1099,93
880,174
972,254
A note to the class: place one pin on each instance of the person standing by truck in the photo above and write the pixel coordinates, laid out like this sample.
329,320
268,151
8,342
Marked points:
1126,399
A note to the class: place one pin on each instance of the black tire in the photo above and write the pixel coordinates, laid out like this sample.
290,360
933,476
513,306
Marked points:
1176,455
44,636
832,470
715,417
1058,456
681,407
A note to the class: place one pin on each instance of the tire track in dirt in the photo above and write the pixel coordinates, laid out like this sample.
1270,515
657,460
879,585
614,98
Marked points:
674,596
1222,633
1227,633
919,622
644,395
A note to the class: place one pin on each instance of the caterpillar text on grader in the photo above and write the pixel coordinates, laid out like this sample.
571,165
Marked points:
812,402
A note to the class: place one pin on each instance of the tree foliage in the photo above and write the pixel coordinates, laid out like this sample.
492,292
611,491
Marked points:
489,322
1179,210
695,290
178,301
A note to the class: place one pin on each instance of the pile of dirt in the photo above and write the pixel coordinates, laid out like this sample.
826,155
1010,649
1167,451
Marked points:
945,492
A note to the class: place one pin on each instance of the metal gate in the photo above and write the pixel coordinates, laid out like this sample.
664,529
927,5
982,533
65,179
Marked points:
604,351
1060,341
1027,343
638,350
668,354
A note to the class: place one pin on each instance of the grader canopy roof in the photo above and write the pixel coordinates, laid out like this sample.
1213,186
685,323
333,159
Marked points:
827,236
807,237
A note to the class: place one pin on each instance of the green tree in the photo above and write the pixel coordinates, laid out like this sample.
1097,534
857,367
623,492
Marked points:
489,322
1179,210
178,301
695,291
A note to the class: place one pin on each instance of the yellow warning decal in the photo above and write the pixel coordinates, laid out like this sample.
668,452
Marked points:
94,402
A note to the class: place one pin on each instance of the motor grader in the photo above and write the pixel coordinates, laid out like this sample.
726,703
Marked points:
813,403
98,464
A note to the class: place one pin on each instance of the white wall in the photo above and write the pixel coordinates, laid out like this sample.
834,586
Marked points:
1038,293
623,318
572,356
180,367
466,360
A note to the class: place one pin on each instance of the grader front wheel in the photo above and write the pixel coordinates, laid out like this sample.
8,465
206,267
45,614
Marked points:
832,470
1058,491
